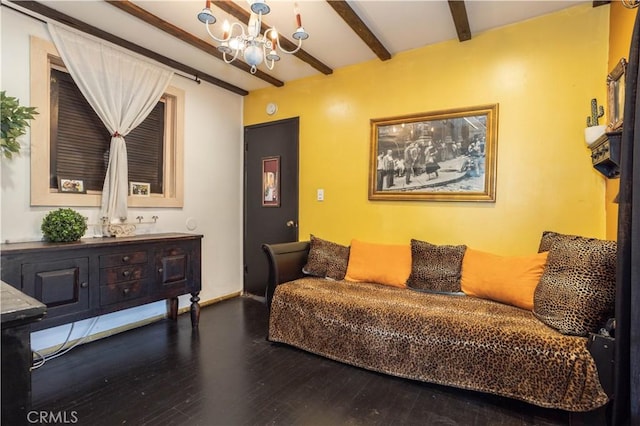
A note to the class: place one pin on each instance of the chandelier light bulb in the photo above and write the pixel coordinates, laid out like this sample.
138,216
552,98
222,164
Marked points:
225,30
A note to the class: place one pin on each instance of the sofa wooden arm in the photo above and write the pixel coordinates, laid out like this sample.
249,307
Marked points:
285,264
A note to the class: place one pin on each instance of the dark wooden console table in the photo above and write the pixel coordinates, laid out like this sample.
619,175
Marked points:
101,275
19,311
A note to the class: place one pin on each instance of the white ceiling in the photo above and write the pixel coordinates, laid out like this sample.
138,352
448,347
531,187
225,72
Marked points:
400,25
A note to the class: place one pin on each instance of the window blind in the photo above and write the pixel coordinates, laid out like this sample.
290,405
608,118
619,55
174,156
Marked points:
80,142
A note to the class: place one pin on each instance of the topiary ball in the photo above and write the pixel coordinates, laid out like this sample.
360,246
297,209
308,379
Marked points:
63,225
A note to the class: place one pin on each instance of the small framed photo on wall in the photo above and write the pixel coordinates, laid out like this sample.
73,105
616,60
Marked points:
75,186
271,182
139,189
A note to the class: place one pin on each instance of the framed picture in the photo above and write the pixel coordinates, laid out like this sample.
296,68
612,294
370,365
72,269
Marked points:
436,156
140,189
615,96
271,182
71,185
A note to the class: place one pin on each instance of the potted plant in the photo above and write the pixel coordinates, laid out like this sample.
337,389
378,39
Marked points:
63,225
14,121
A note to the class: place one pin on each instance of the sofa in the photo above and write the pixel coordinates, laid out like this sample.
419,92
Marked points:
446,334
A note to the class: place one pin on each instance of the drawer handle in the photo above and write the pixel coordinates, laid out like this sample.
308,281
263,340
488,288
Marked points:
160,270
84,284
125,258
126,273
126,291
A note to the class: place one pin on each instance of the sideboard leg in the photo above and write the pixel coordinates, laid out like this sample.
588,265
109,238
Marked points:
195,309
172,308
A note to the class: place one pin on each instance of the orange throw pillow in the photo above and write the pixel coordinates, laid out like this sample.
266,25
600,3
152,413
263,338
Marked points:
387,264
507,279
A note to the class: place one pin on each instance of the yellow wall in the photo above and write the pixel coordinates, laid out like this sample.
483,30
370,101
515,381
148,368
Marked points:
542,72
621,26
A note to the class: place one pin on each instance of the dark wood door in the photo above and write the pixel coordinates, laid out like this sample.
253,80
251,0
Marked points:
270,195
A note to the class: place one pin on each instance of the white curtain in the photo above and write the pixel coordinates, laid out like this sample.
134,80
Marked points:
122,89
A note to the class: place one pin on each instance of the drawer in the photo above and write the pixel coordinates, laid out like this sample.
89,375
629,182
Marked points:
123,273
121,259
122,292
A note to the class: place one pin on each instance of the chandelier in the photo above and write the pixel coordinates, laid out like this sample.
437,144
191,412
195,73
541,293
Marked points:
630,4
254,47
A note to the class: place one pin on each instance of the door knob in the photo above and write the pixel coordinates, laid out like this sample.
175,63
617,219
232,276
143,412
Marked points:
291,224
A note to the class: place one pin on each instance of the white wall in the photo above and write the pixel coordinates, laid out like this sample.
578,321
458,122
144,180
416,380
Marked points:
213,182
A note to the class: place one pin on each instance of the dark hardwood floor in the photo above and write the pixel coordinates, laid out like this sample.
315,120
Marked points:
226,373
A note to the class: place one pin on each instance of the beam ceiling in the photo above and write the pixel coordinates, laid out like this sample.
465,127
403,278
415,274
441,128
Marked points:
151,19
352,19
460,19
54,15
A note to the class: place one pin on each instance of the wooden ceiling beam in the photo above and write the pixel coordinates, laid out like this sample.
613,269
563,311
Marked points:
55,15
460,19
597,3
352,19
151,19
243,16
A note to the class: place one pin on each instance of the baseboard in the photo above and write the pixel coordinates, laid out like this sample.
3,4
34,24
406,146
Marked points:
132,325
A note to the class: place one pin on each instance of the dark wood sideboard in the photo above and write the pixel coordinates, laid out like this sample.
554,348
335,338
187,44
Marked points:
101,275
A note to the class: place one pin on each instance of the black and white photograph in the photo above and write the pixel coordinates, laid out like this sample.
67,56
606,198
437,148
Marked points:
440,156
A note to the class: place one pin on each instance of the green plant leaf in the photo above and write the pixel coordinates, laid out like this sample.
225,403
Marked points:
14,119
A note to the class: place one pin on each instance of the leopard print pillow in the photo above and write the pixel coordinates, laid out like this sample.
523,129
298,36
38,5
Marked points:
576,292
326,259
435,268
550,237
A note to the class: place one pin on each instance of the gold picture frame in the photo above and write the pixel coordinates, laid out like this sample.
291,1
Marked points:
615,96
435,156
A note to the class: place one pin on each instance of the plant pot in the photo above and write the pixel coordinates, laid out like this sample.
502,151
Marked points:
591,134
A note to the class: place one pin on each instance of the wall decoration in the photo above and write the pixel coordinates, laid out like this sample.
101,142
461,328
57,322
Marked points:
139,189
437,156
71,185
271,181
615,96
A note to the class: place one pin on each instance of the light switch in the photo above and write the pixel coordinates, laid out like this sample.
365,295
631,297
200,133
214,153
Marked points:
320,194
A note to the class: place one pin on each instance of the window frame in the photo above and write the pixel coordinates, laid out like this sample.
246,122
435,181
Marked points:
42,56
